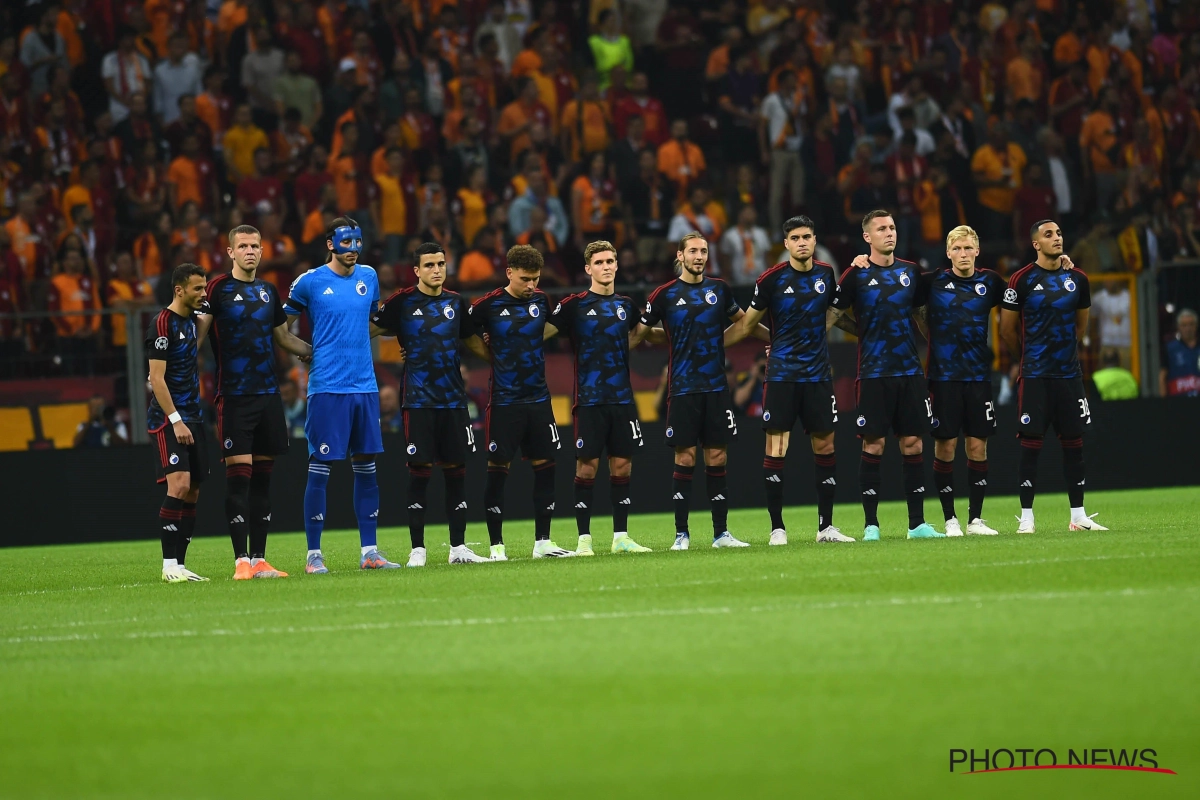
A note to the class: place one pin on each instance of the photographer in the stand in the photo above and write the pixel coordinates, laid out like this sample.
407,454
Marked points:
101,428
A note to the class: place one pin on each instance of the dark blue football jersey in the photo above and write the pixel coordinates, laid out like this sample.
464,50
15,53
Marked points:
598,327
957,314
245,316
1047,300
514,331
694,316
429,328
883,299
796,303
173,339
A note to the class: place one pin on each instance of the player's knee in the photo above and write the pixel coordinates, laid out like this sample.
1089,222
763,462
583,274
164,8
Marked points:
714,456
179,484
977,449
537,462
777,444
944,449
586,469
822,444
685,456
911,445
246,459
620,467
873,446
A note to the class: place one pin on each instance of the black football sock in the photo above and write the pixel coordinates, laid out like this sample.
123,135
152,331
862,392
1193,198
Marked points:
977,473
187,526
618,492
943,481
914,489
493,502
1031,448
170,516
456,503
237,507
773,481
1073,469
583,505
714,479
681,492
826,489
260,507
869,483
543,500
418,490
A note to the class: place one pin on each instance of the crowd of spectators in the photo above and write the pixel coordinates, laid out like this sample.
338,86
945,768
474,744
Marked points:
133,133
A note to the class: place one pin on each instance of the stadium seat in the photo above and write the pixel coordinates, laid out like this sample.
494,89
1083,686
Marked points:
561,404
646,407
60,421
16,429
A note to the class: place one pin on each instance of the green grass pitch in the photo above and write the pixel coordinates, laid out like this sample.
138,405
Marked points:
814,671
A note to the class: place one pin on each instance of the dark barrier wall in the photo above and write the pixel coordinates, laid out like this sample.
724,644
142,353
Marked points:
99,495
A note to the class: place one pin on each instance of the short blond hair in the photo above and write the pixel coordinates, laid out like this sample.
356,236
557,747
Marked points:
962,232
598,246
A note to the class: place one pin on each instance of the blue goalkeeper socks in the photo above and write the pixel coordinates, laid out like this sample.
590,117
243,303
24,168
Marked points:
314,503
366,501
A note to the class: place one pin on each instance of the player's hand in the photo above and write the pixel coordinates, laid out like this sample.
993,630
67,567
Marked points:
861,261
183,433
1065,262
403,355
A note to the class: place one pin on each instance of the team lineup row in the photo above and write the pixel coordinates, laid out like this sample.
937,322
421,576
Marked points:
882,300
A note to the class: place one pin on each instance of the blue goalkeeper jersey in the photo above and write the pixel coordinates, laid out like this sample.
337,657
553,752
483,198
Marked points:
339,310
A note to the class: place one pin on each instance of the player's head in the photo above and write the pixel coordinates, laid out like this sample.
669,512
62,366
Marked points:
188,282
600,262
1047,238
245,247
524,270
879,231
962,247
431,264
344,241
800,238
693,253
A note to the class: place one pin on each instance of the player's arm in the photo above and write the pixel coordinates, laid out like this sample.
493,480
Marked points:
921,317
1010,322
649,328
475,344
1083,307
203,325
734,313
158,384
291,342
1081,323
746,323
842,318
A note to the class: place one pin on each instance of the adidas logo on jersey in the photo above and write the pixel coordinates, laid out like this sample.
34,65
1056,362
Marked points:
328,290
949,285
592,313
873,282
237,297
789,290
1038,288
681,302
181,336
418,313
505,313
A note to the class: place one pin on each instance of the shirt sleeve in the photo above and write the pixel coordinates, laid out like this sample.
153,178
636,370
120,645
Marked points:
279,315
847,290
388,316
731,304
924,284
996,286
298,295
653,313
478,312
1014,294
466,320
1085,290
157,347
563,315
631,316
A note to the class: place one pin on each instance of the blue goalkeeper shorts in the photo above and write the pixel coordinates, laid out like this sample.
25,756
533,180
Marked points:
341,425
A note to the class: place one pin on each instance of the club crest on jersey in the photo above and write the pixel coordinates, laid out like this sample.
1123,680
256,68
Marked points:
1024,419
935,422
904,279
412,449
710,297
262,295
980,289
448,312
323,449
160,343
174,459
670,432
492,446
579,444
534,311
862,421
361,288
229,444
621,312
766,416
818,287
1010,295
1069,285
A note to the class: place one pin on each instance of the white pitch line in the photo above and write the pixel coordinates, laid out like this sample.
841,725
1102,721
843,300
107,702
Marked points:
597,616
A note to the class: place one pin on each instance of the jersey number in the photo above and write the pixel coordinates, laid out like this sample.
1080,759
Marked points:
553,433
928,408
470,437
989,411
636,428
833,400
732,421
1084,411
